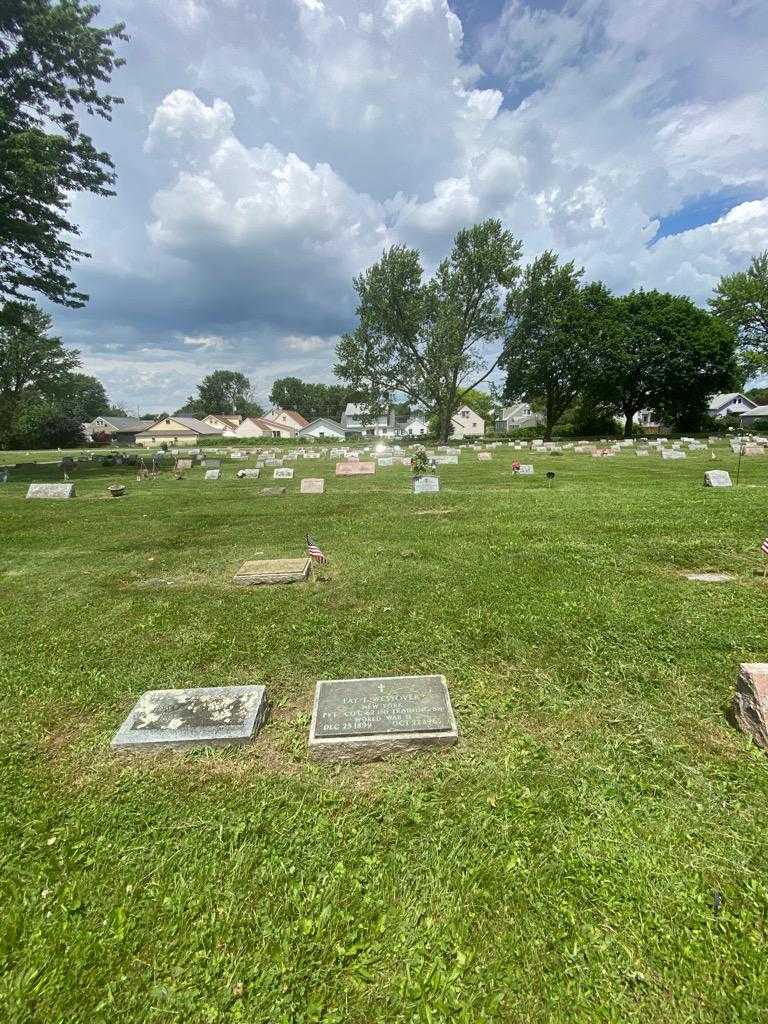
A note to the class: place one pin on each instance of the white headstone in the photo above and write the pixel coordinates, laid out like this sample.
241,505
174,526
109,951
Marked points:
425,484
54,492
717,478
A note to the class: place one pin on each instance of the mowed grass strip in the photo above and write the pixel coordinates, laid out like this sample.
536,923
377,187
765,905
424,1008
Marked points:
593,850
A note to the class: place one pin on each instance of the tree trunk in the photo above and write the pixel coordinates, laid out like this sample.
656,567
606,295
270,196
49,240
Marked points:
629,421
550,420
445,425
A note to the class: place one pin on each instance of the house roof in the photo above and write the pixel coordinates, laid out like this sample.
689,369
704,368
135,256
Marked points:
296,416
231,420
756,410
129,424
718,401
326,422
190,422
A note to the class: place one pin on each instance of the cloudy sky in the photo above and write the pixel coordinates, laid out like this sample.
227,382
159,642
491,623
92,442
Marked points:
268,150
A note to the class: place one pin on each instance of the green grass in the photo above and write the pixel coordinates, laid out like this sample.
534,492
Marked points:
558,865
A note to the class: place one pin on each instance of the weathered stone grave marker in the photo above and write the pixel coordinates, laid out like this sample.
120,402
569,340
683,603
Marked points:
425,484
363,719
212,474
312,485
283,474
248,474
53,492
484,456
272,570
199,717
355,468
717,478
750,702
272,492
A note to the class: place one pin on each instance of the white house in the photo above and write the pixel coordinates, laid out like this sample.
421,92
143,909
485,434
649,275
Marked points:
733,404
287,418
260,426
467,423
322,427
757,412
415,425
515,417
354,419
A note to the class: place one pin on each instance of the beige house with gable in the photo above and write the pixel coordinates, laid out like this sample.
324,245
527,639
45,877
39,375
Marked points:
467,423
288,418
176,432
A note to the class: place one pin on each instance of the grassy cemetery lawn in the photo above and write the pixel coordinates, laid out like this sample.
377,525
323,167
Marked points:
594,849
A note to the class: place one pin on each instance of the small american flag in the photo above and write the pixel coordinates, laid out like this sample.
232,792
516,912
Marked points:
314,552
764,546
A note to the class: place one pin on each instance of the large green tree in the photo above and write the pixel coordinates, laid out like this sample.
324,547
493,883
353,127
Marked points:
428,340
741,300
223,391
53,63
311,400
547,355
81,397
661,351
32,363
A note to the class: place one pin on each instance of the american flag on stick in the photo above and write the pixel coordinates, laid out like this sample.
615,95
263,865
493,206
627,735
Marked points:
764,546
314,552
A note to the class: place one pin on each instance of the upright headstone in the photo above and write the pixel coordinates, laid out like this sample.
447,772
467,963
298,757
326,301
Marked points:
248,474
525,470
312,485
52,492
363,719
750,702
717,478
355,468
200,717
212,474
425,484
184,464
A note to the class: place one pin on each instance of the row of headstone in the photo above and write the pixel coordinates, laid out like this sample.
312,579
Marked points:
352,719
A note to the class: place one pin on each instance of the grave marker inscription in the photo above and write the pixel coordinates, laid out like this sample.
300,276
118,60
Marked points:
362,719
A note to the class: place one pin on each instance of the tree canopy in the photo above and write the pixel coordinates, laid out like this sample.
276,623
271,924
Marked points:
225,392
311,400
429,340
741,300
53,61
547,355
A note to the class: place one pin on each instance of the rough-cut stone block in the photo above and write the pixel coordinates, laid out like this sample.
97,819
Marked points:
283,474
750,702
212,474
53,492
717,478
425,484
200,717
248,474
364,719
312,485
272,492
272,570
355,468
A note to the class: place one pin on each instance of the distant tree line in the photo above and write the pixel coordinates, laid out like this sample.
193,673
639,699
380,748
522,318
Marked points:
560,343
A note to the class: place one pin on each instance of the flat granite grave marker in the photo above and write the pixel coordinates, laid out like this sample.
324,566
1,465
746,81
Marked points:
283,474
717,478
212,716
426,484
484,457
525,470
355,468
364,719
248,474
385,462
272,570
312,485
54,492
672,453
212,474
272,492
